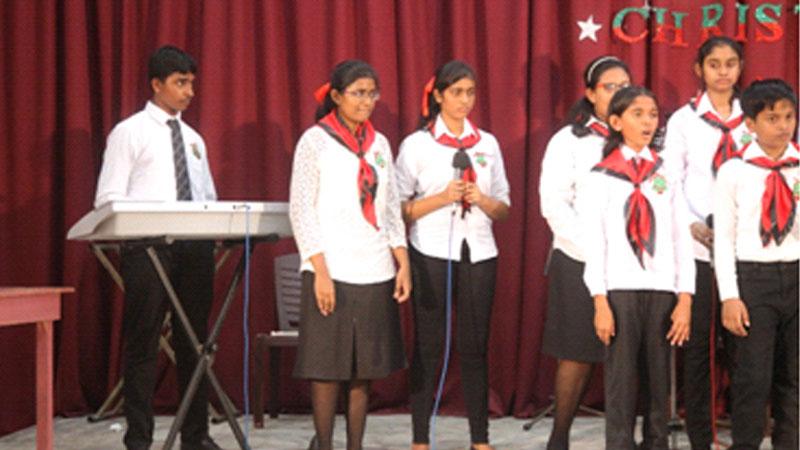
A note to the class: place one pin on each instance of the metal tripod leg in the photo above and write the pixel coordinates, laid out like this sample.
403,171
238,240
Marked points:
205,352
112,405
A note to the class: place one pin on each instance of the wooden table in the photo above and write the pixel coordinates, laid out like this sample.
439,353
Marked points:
42,306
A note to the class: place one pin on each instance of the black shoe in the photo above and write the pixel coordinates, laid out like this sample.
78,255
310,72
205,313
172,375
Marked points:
206,444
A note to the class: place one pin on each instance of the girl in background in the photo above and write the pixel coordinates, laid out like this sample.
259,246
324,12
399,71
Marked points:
638,258
347,223
702,135
571,153
447,214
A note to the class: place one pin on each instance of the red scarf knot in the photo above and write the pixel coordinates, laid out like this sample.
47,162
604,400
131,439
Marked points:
726,148
359,143
469,175
777,203
640,224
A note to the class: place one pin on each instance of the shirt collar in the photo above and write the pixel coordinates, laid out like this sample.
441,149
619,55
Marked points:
754,151
629,153
159,114
440,128
705,106
593,119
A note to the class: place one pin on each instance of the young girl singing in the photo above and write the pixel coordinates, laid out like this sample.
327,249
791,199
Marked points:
638,259
570,155
703,134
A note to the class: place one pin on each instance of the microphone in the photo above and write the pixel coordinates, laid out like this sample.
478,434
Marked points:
460,163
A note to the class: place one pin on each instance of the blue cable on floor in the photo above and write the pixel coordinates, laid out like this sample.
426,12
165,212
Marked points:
448,332
246,324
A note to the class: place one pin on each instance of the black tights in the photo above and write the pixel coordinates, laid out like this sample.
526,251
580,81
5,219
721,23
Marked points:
572,379
324,395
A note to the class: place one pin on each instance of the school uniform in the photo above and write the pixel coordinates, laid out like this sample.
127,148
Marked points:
640,268
569,328
139,164
756,249
424,168
698,141
356,231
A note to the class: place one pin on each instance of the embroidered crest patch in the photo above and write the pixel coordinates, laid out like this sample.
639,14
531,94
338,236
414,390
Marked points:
746,139
659,183
480,158
796,189
379,160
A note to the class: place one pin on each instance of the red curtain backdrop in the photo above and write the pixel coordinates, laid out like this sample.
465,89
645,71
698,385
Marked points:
72,69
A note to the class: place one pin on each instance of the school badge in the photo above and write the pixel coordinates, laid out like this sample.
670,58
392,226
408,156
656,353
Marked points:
659,183
796,189
746,139
379,160
195,150
480,158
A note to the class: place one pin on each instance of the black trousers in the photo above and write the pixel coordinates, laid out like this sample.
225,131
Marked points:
190,267
638,355
696,360
765,361
473,285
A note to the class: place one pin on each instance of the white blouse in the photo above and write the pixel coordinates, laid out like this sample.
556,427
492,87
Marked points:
737,215
325,210
610,261
566,164
689,149
425,167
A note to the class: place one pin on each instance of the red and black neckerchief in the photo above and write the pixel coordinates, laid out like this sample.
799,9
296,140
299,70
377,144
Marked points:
777,203
726,148
359,143
469,175
599,129
640,224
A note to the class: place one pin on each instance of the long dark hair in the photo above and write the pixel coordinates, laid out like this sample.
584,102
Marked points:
446,75
344,74
620,102
582,110
708,46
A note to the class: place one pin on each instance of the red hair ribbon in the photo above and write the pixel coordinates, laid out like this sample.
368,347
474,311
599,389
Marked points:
426,93
322,92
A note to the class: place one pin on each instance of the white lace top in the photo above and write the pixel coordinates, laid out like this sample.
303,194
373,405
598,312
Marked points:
326,215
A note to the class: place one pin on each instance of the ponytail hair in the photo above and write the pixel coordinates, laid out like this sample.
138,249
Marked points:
582,110
343,75
620,102
446,75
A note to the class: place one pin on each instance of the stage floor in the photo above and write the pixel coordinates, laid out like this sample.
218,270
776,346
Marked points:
294,431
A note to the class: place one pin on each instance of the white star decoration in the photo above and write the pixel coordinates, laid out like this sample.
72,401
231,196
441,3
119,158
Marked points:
588,29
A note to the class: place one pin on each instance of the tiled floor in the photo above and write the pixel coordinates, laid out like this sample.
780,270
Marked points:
294,431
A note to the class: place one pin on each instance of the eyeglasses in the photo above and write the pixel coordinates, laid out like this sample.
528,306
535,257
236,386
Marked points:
614,87
363,94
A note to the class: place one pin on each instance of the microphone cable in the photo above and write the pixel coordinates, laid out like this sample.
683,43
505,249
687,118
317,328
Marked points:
448,331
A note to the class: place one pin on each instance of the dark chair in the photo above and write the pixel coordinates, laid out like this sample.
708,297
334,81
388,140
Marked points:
287,302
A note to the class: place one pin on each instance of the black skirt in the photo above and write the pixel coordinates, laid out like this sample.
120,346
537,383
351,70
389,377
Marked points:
360,340
569,329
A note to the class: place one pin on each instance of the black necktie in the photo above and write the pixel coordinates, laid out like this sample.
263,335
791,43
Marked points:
182,186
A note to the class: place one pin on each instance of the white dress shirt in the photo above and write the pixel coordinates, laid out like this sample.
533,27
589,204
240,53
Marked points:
610,261
737,214
138,163
326,215
689,149
425,167
566,164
